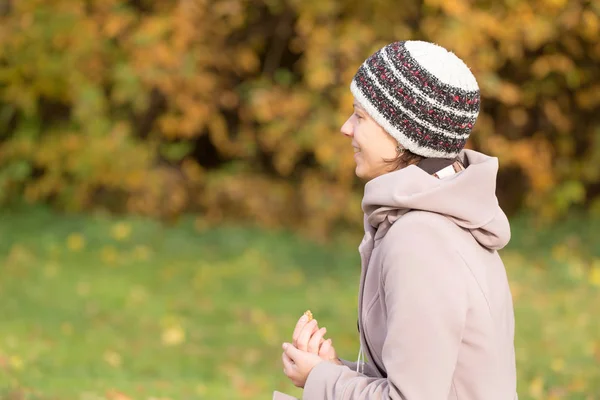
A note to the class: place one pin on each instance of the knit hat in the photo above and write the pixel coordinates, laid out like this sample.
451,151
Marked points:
421,94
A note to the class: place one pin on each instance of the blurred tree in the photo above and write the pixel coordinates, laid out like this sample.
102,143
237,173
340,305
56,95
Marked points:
4,7
233,107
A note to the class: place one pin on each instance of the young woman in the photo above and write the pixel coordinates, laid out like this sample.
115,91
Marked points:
435,312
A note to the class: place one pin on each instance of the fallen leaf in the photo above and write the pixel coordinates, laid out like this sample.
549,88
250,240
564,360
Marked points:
112,358
557,365
536,387
121,231
595,273
173,336
16,362
115,395
109,254
141,253
75,242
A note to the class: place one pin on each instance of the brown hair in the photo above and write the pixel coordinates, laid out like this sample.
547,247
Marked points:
404,158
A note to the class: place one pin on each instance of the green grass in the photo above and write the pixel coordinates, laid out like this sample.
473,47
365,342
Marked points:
98,308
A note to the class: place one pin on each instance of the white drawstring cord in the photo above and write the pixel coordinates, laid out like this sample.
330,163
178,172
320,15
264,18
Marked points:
360,360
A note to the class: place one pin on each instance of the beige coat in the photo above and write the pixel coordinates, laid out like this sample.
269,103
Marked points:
435,309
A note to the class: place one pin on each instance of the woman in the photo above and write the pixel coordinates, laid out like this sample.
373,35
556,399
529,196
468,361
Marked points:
435,312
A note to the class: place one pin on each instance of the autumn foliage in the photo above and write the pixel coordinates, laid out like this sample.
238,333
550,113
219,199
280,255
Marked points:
232,108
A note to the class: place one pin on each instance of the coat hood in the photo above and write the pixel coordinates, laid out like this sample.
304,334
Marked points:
467,198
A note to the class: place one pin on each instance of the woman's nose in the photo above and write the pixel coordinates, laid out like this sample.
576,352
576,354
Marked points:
347,129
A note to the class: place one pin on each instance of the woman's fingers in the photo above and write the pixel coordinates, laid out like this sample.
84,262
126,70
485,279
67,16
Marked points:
316,340
305,334
324,350
302,321
327,352
288,365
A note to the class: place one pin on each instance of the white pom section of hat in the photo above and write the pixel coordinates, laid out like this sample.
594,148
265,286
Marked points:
443,64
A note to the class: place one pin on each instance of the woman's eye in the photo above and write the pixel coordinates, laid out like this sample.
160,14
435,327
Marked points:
357,116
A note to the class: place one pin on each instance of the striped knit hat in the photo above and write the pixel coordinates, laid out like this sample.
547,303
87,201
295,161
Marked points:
421,94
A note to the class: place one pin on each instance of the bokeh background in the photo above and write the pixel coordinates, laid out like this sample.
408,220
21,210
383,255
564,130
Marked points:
175,192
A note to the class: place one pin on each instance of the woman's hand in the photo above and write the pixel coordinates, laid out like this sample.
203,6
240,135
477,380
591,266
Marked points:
327,352
308,337
297,364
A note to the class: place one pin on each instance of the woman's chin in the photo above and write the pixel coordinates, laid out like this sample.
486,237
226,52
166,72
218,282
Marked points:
361,172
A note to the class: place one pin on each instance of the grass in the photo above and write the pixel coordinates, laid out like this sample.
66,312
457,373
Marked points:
95,308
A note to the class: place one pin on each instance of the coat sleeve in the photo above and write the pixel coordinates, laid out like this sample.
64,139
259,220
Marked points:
426,300
368,368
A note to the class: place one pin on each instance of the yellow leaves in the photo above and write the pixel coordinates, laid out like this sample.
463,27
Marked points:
590,25
319,65
557,365
165,57
588,98
536,387
456,8
141,253
247,60
506,92
554,4
220,135
112,358
593,349
121,231
509,93
534,155
594,277
226,8
297,45
320,77
109,254
560,63
519,116
116,395
229,100
578,384
173,335
539,32
326,153
16,363
172,331
192,170
152,29
75,242
305,24
568,193
578,266
179,71
279,105
116,24
263,107
286,158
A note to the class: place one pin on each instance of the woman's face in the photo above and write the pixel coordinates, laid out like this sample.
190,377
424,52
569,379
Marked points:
372,145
